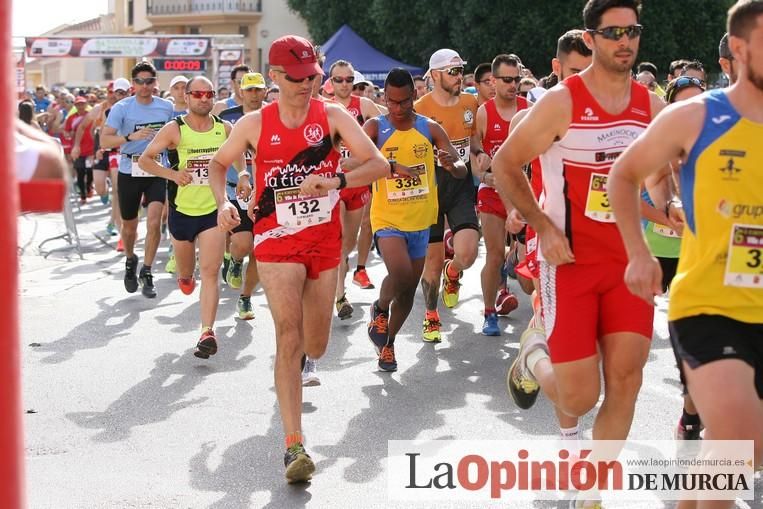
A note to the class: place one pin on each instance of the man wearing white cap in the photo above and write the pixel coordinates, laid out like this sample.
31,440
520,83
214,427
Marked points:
177,92
456,113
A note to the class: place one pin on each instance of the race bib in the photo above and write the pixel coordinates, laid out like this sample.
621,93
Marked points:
462,147
89,162
401,188
344,151
137,171
243,204
597,205
198,167
665,231
744,266
294,209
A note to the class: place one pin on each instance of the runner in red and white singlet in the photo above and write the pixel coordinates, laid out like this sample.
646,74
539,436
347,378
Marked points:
580,127
492,128
296,222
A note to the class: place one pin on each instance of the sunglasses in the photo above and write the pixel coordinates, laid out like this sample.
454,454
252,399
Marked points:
453,71
361,87
120,92
295,80
681,83
198,94
339,79
616,33
509,79
144,81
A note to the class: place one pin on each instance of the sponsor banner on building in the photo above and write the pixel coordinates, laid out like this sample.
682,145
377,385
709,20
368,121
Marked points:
644,470
114,47
228,58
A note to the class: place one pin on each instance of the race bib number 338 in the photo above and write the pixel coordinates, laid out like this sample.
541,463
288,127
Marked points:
296,210
744,266
400,188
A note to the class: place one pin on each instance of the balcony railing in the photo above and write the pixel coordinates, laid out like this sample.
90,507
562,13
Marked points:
179,7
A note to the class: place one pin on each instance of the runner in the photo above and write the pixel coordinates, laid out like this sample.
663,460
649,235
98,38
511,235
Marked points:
253,90
717,293
483,75
177,92
131,125
236,99
192,139
579,128
726,60
404,206
354,201
83,163
297,238
491,129
455,112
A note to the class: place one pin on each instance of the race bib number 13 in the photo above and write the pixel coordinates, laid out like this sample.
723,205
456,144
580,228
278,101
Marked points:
296,210
744,266
597,205
199,170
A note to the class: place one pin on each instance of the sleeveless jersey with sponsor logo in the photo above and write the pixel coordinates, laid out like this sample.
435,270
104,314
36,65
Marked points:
194,152
355,110
720,269
496,128
405,204
457,120
576,168
286,221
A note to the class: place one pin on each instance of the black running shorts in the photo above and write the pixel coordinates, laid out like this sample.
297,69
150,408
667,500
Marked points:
457,202
131,190
702,339
187,228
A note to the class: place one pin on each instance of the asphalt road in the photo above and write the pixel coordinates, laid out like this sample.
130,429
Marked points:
120,414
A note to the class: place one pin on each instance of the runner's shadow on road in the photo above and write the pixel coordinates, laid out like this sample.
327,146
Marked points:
112,321
250,466
157,398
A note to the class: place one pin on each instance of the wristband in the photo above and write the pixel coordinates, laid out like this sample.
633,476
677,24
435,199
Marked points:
242,173
342,180
127,138
392,163
673,201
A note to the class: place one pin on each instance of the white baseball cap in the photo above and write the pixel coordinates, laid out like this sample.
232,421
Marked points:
359,78
178,79
534,94
444,59
122,84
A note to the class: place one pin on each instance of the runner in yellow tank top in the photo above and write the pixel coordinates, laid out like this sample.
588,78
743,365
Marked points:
716,305
404,206
192,141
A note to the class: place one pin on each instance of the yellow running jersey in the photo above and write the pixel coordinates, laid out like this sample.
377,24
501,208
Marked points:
720,270
405,204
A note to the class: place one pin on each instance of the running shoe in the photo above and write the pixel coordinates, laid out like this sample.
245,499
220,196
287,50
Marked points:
450,287
299,465
431,332
105,198
244,308
207,345
344,308
235,276
120,246
448,243
147,282
310,374
111,229
377,328
506,302
688,432
490,325
522,385
82,200
90,192
131,279
186,285
387,360
226,264
171,265
360,278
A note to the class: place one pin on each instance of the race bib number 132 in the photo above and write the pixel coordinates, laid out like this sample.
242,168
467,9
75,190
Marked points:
296,210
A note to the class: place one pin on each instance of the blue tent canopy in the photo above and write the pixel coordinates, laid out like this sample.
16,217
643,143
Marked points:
345,44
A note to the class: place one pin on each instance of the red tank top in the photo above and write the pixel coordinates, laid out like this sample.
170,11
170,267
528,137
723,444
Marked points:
496,128
576,168
286,221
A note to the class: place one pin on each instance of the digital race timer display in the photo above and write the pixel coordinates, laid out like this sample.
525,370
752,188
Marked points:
175,64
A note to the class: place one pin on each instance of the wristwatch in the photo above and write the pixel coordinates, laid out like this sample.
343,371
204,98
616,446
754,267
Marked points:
342,180
127,138
392,164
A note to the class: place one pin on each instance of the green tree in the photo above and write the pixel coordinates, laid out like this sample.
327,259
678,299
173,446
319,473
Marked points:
412,30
